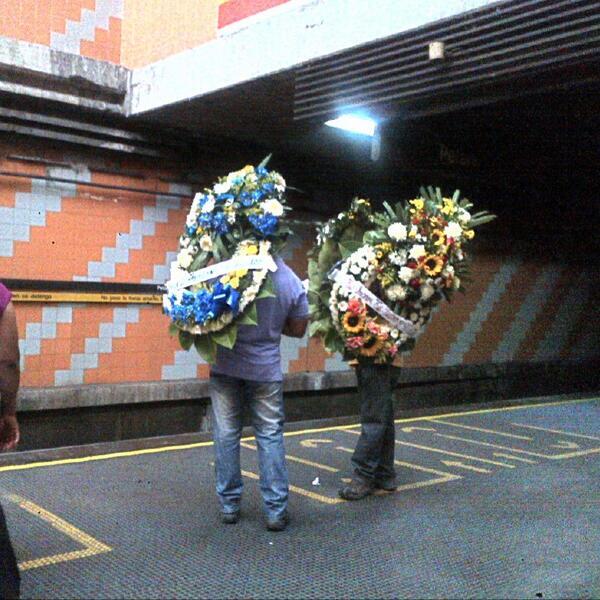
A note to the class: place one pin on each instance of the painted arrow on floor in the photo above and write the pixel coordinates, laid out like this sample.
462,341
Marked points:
411,429
313,443
461,465
565,444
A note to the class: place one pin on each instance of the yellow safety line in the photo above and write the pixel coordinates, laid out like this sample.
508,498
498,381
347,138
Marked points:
483,429
68,461
581,435
299,490
92,545
297,459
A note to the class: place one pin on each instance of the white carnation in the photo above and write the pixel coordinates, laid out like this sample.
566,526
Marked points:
427,290
397,232
273,207
398,258
396,292
405,274
206,243
222,188
355,269
417,251
184,258
453,230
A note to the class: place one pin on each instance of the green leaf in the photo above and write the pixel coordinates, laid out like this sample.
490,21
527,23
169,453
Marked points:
332,341
313,269
265,161
456,196
348,247
249,316
390,211
226,337
328,255
186,339
199,262
173,329
206,347
267,289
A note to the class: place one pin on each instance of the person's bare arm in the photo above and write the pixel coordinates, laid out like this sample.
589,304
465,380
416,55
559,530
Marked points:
9,378
295,327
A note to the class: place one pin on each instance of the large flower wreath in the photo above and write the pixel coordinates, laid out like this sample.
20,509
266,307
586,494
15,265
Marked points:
381,295
225,255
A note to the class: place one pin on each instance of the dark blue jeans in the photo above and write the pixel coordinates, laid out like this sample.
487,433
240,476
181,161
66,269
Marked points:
265,400
373,457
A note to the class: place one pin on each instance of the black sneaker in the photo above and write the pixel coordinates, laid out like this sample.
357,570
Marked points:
230,518
388,485
357,489
278,523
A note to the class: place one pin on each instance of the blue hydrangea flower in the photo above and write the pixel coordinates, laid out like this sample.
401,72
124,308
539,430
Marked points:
219,223
246,199
265,224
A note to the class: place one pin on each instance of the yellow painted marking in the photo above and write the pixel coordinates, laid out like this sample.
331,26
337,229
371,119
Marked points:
298,459
461,465
91,545
411,429
483,429
580,435
566,445
314,443
488,445
444,476
457,454
574,454
37,296
84,459
300,491
519,458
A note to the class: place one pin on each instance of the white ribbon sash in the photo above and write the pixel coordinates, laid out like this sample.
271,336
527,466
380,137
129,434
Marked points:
213,271
370,299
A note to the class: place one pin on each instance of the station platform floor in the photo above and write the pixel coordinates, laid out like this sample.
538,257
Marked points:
492,503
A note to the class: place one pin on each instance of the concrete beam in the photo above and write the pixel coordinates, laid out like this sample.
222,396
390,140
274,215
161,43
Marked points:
36,70
300,32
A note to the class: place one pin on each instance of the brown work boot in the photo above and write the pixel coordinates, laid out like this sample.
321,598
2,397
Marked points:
357,489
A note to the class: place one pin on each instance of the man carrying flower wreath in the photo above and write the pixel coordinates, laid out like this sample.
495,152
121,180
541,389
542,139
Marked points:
232,297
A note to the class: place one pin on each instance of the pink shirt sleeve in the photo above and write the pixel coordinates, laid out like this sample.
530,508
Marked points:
5,297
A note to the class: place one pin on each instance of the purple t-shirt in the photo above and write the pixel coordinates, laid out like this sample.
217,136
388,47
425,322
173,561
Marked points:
256,355
5,297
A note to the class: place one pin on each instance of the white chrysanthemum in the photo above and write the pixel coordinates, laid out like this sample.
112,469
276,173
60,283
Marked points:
355,269
396,292
397,232
206,243
273,207
394,333
223,187
398,258
405,274
343,306
453,230
417,251
184,241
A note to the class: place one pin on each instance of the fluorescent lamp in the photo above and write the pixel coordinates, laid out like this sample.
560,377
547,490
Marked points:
355,124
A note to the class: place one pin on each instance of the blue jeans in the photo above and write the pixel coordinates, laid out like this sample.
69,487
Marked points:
265,400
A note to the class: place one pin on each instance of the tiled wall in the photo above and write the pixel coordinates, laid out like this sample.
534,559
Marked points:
89,28
517,308
133,33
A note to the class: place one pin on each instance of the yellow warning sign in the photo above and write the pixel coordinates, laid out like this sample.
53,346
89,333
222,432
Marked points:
94,297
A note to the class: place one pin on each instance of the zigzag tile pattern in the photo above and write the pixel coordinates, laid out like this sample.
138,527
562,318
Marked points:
85,27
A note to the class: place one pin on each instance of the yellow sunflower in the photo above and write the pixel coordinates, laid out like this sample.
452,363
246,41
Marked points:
469,234
352,322
372,346
417,203
432,264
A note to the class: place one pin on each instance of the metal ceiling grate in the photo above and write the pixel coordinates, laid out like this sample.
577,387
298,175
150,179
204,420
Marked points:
498,43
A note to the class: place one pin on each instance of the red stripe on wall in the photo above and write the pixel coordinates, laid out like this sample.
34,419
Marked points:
236,10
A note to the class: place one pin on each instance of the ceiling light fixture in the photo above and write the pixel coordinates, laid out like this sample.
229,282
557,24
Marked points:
354,124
